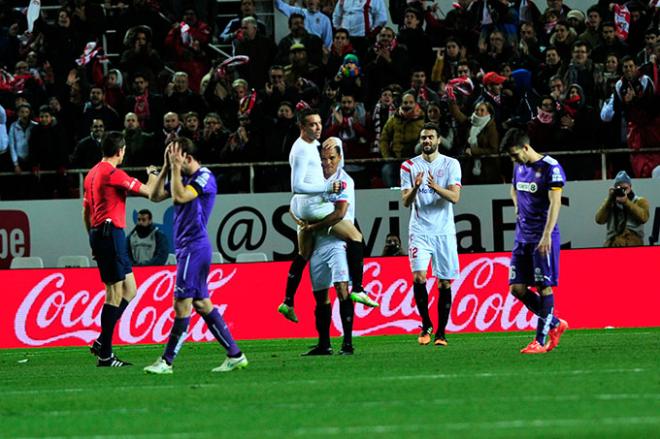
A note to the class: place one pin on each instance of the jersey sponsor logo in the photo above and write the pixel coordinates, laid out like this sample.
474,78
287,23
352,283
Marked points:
527,187
202,179
556,175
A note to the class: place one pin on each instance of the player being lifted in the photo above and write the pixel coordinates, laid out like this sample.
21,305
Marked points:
431,183
536,192
312,202
192,189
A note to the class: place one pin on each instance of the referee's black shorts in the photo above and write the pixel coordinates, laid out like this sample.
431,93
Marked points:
109,248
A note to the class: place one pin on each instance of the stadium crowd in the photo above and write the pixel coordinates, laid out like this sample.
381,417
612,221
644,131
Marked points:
576,80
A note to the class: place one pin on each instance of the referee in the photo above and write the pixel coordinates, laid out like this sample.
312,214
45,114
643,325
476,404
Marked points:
104,216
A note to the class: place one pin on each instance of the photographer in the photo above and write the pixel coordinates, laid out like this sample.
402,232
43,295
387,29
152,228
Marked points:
392,246
624,212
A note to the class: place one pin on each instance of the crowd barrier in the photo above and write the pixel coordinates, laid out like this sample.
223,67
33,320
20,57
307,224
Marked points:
62,307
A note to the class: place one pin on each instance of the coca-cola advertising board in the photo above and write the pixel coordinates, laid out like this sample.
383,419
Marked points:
62,307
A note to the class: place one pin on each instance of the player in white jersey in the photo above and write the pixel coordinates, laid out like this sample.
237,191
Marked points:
431,184
310,203
328,265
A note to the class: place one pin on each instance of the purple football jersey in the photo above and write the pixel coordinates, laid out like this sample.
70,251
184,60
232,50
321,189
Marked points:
532,182
190,219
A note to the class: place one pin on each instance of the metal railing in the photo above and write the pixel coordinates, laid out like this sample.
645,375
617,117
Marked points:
253,166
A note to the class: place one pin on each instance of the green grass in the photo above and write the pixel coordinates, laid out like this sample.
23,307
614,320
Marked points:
595,384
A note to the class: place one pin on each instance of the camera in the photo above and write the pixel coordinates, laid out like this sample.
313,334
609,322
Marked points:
392,247
619,191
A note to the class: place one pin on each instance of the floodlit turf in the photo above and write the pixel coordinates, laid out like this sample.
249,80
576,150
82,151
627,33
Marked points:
595,384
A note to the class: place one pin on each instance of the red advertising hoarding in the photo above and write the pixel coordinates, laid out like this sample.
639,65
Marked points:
62,307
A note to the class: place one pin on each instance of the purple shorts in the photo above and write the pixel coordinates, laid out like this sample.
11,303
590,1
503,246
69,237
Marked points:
530,268
192,271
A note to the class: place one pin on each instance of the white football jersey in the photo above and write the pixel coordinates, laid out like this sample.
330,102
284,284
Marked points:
306,170
323,238
431,214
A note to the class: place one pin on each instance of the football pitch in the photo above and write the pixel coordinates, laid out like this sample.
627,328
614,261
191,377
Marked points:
597,383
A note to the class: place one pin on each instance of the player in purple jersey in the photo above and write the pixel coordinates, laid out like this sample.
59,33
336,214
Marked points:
192,189
536,192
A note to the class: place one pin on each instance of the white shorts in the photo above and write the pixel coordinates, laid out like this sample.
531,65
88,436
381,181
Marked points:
311,207
441,248
328,265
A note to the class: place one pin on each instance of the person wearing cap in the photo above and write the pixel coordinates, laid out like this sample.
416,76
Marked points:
315,21
299,34
492,93
301,67
576,20
624,213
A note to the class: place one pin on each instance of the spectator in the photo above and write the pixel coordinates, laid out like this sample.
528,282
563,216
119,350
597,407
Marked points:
497,51
443,121
213,139
582,71
96,108
482,139
634,98
392,246
301,68
361,20
576,20
543,128
424,94
139,145
147,105
610,44
259,49
559,7
48,151
412,36
19,137
349,78
180,98
276,91
113,83
624,213
171,130
557,88
399,137
233,30
383,110
386,63
191,126
299,35
592,35
553,66
341,46
349,122
88,151
446,62
562,39
315,21
139,56
147,245
650,40
492,93
188,41
530,55
5,154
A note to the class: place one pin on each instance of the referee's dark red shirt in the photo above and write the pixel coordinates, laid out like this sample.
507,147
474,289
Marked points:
105,194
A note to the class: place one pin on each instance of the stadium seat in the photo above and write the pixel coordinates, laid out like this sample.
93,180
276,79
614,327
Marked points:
171,259
216,258
27,262
252,257
73,261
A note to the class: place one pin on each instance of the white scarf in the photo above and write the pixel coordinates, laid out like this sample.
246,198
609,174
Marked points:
477,125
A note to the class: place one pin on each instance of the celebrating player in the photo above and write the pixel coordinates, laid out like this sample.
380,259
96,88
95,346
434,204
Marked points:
193,189
104,216
536,192
431,183
310,203
328,264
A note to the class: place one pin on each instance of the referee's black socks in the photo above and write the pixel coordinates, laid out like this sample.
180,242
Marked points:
110,314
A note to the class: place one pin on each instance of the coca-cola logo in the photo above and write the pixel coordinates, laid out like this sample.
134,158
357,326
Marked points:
480,300
49,313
